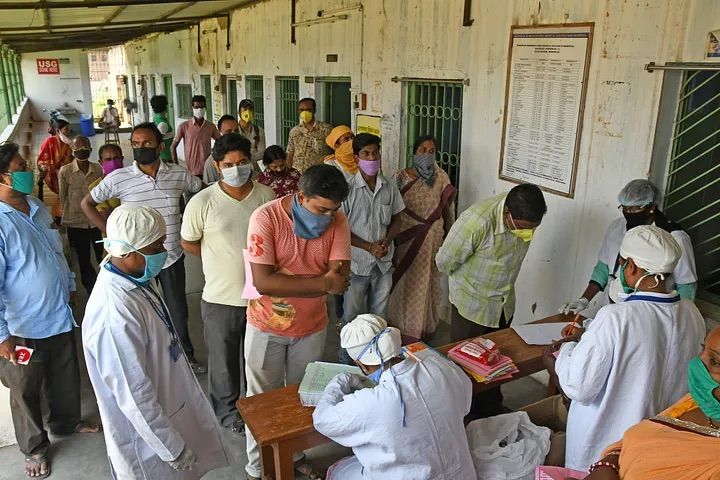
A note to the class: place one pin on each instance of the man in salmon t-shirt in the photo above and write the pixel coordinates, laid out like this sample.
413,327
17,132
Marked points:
299,248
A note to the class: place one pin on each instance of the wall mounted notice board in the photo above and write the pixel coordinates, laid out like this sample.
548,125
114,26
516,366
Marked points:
544,103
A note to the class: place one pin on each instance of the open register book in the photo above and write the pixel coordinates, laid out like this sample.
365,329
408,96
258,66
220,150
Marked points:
318,375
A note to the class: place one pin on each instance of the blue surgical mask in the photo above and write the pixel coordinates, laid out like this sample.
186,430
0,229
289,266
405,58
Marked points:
306,224
375,376
702,385
153,263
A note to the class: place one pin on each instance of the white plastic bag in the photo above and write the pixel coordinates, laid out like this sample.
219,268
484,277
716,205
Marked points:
507,447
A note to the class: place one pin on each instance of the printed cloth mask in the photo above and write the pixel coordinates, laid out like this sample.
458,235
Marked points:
425,167
154,263
247,116
237,175
81,153
198,112
524,234
306,224
145,155
22,182
110,166
369,167
702,385
636,219
306,116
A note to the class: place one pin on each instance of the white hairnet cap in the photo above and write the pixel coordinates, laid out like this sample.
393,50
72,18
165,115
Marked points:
356,335
638,193
651,248
132,226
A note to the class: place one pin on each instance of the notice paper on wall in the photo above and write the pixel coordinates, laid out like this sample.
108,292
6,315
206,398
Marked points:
540,333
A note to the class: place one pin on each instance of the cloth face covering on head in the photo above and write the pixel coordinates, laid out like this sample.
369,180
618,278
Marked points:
524,234
198,112
109,166
702,385
425,167
247,116
369,167
22,182
306,116
306,224
237,175
81,153
346,158
145,155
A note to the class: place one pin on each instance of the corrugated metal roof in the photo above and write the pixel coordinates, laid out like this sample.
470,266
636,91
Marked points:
40,25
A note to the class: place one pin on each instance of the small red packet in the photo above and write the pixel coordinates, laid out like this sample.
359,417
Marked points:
484,350
23,354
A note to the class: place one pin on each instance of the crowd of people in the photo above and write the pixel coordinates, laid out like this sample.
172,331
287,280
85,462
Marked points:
278,232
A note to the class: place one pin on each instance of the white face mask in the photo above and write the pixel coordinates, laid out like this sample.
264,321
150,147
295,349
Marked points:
236,176
615,291
198,112
64,138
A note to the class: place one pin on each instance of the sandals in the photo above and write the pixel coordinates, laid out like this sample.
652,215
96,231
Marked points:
307,470
84,427
37,460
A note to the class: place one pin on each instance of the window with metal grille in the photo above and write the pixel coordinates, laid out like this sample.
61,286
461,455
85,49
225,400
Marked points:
207,91
232,96
168,91
288,94
184,100
254,92
692,192
334,103
435,108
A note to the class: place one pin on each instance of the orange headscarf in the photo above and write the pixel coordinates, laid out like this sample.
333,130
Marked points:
344,153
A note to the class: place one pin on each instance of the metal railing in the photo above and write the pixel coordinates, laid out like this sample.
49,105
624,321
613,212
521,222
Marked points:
254,90
288,94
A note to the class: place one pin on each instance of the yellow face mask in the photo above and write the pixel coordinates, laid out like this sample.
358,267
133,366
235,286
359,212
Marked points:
247,116
306,116
524,234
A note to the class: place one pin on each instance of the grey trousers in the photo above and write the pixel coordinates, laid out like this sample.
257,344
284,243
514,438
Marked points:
172,280
224,328
271,362
54,362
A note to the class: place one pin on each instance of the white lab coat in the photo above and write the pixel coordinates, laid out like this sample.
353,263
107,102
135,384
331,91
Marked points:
432,445
630,364
150,405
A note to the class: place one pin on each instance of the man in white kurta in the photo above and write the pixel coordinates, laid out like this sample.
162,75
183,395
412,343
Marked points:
158,423
638,201
630,362
408,427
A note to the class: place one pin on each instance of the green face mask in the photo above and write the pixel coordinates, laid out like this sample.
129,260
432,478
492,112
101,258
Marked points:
702,385
22,182
626,288
524,234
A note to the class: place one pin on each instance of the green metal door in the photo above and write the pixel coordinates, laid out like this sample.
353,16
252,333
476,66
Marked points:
288,94
254,91
692,193
207,91
334,100
435,108
232,108
168,89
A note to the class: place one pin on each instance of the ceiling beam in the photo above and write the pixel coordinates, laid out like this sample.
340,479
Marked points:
112,24
79,4
81,35
178,9
113,16
46,15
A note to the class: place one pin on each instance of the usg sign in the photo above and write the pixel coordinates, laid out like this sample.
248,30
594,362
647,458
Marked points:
48,66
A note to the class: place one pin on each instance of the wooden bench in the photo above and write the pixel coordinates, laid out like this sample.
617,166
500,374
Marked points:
282,426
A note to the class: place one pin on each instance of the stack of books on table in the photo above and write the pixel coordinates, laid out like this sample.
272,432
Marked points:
482,360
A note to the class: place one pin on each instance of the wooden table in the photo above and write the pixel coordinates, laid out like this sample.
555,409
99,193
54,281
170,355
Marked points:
282,426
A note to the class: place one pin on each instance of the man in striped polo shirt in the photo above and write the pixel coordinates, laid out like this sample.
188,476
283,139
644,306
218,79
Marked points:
150,181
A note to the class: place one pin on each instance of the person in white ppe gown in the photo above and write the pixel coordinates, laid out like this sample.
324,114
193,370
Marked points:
631,361
638,201
158,423
409,426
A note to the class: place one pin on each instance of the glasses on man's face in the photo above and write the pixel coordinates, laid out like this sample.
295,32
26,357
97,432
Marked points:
636,209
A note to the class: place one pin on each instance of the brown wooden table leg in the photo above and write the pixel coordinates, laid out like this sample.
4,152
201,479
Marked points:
267,460
284,465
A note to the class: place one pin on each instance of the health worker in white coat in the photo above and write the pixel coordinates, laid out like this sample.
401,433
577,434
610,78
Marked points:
158,423
638,201
409,426
630,363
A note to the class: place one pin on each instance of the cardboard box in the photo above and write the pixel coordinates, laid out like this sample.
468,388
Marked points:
551,413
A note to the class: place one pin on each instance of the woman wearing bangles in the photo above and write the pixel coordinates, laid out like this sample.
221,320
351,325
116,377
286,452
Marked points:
683,442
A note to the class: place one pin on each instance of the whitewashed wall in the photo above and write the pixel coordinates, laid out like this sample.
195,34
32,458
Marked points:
424,38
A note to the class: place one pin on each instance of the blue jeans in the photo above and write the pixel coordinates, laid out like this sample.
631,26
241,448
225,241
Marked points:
367,294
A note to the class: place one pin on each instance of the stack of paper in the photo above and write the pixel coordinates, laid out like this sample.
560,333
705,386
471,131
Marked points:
419,351
502,369
318,375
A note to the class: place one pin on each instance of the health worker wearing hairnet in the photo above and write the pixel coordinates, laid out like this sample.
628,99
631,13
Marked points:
158,423
638,201
409,426
631,362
